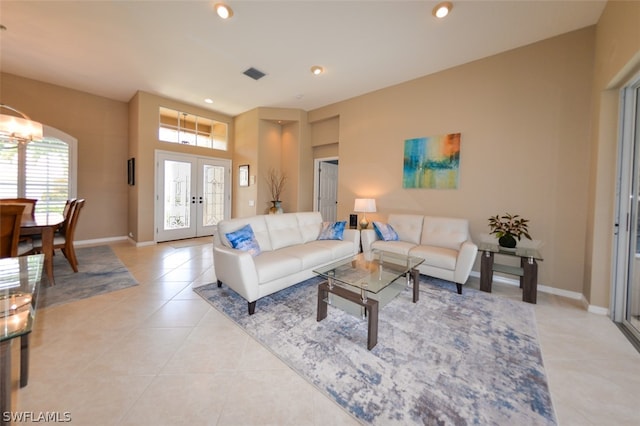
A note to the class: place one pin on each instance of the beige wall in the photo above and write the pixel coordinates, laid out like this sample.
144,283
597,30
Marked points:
101,127
524,120
326,151
617,59
279,139
246,152
269,156
133,230
298,162
325,132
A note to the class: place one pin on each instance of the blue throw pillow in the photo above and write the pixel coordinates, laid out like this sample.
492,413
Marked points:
332,230
385,231
244,239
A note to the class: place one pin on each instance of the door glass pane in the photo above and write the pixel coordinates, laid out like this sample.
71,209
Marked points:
213,192
177,192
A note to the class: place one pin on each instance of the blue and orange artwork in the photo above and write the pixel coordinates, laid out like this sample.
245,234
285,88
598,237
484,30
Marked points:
432,162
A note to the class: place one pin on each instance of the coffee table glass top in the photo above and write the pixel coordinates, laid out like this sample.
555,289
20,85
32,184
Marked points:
19,281
371,271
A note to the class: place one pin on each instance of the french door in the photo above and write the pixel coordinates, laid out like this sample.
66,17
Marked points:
626,300
192,195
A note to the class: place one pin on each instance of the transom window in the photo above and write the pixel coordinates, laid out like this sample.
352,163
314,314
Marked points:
44,170
189,129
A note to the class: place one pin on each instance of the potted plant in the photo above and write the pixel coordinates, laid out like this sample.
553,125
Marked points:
276,182
508,228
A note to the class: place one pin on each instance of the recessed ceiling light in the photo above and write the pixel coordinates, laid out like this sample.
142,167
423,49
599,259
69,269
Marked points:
209,100
442,9
223,11
317,70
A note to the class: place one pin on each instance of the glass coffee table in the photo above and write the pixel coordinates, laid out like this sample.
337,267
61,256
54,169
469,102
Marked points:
367,282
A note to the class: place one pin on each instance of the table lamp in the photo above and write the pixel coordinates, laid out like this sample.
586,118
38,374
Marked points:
364,205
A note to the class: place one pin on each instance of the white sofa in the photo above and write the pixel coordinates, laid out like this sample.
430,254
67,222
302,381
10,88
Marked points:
289,251
444,244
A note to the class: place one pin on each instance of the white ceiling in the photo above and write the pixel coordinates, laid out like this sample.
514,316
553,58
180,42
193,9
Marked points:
182,50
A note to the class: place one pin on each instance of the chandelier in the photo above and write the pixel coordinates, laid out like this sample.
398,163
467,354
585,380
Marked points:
18,128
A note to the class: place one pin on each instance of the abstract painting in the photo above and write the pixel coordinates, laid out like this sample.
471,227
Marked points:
432,162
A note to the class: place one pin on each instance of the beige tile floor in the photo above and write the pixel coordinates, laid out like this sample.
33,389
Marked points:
156,354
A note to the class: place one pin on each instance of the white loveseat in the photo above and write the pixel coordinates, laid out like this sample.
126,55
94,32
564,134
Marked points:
289,251
444,244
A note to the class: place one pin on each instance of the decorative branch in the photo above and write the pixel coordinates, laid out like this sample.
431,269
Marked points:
276,180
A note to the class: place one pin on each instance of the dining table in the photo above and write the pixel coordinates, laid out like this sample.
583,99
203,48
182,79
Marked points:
45,225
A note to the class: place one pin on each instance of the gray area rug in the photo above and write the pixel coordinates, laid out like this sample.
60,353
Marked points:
448,360
99,272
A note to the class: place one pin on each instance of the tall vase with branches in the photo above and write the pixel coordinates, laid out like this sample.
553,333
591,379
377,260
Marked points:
276,180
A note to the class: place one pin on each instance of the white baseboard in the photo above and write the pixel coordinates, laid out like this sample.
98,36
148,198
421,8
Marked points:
599,310
143,243
97,241
560,292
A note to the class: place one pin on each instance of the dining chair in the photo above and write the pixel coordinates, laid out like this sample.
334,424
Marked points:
66,213
10,219
64,240
29,205
28,213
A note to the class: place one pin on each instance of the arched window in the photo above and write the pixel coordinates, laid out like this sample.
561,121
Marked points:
45,170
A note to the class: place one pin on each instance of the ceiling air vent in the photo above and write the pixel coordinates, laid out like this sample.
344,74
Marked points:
254,73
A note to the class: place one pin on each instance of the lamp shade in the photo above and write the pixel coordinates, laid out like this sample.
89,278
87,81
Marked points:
365,205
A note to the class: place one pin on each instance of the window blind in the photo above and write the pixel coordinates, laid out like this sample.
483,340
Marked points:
47,174
8,169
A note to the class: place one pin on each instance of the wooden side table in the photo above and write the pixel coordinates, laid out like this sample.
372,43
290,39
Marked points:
528,270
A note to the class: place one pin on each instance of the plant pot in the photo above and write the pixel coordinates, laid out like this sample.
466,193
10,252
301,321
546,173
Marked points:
507,241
